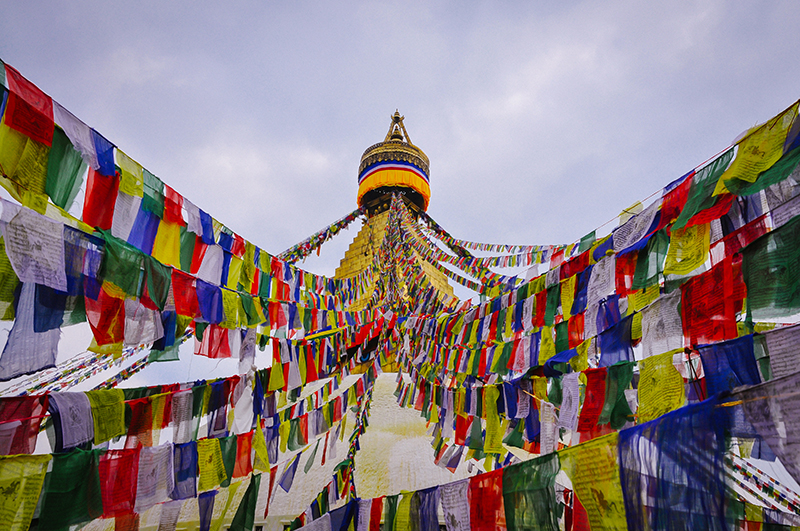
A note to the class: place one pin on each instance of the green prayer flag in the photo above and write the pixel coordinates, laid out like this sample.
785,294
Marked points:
65,170
296,440
553,301
616,411
701,192
391,511
188,241
228,447
244,518
587,242
556,394
159,278
311,458
122,265
529,494
249,307
562,336
476,434
71,491
168,354
771,271
153,194
650,261
514,437
775,174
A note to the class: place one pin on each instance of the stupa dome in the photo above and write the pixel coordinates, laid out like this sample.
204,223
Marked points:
394,165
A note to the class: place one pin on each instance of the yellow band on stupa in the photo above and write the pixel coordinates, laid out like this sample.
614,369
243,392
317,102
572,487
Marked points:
395,177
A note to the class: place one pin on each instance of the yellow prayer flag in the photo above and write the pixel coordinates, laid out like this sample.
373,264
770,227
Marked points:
230,309
131,180
209,459
282,400
276,380
759,150
402,518
636,326
539,385
283,432
230,497
568,295
537,284
661,388
23,161
688,249
580,362
260,447
12,144
158,404
112,349
508,330
547,345
35,201
167,245
637,300
593,468
753,513
248,265
494,437
21,479
234,272
108,413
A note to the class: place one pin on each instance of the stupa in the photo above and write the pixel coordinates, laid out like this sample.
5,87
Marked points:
393,166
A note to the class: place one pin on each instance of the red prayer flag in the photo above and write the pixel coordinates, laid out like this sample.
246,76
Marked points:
100,198
140,429
244,445
674,201
20,418
486,507
277,318
580,519
557,258
575,328
595,398
575,265
742,237
720,208
28,110
197,255
272,472
375,512
238,248
119,471
185,294
325,448
311,367
709,303
173,206
106,317
541,307
462,426
215,343
625,269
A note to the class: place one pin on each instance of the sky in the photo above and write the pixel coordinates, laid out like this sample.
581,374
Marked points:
542,122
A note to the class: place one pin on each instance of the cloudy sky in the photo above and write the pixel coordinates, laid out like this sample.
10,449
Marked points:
541,122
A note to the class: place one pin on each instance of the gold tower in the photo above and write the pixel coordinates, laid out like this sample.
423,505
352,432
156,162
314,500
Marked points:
394,166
